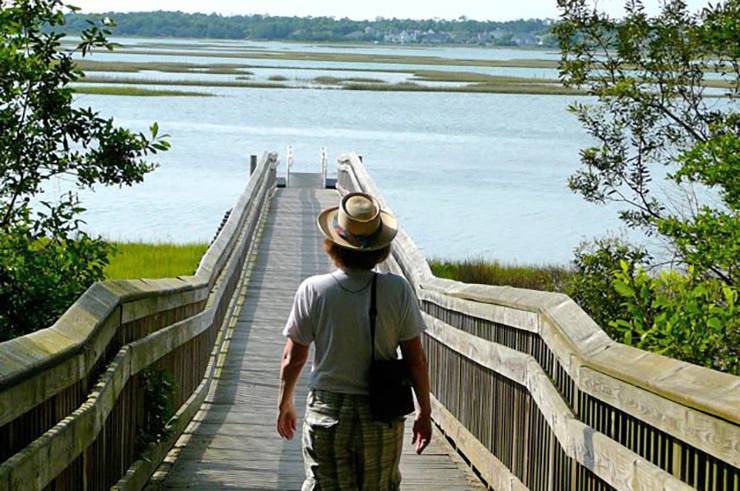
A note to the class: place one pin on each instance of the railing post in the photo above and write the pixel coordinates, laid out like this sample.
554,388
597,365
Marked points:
289,158
252,164
324,164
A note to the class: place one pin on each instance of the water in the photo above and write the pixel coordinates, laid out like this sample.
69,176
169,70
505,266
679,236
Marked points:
469,175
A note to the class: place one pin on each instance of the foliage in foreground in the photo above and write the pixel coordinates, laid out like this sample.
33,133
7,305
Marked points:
46,260
142,260
682,316
591,285
654,129
159,388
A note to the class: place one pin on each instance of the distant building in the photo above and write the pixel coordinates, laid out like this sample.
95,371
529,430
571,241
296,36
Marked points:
431,37
524,39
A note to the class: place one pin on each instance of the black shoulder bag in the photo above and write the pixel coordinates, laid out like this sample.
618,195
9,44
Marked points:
389,385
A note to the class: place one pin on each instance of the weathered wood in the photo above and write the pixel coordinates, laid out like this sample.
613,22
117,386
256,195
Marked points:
698,406
520,319
94,322
710,434
578,344
612,462
233,441
496,474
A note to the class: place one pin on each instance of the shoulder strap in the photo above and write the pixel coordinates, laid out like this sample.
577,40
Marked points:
373,312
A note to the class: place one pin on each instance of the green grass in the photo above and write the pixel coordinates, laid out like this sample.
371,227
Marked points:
138,92
532,277
134,260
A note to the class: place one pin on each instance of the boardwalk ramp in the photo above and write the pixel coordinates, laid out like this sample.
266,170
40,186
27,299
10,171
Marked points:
528,389
232,443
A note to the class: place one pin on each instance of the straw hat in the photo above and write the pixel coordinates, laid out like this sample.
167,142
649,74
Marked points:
358,223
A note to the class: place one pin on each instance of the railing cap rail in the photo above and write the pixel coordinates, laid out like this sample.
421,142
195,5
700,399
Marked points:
81,334
701,388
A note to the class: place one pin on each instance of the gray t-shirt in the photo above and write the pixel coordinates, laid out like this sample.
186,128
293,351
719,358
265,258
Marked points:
331,310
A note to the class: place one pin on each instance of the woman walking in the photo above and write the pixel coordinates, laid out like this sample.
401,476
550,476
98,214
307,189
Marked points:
344,448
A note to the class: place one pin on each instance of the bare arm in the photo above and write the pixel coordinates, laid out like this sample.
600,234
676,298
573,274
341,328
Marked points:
416,360
293,360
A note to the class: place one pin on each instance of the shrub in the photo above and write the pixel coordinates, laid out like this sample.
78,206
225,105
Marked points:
159,387
46,260
41,277
678,315
591,283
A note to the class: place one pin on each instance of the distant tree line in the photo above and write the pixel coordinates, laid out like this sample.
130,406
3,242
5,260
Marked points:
264,27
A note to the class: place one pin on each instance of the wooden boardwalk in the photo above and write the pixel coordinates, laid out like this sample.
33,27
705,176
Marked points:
232,443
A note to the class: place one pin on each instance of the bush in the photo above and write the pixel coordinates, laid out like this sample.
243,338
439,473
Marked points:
679,315
46,260
591,283
41,277
159,388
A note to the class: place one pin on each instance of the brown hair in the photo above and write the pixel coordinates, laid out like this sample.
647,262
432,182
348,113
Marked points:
351,259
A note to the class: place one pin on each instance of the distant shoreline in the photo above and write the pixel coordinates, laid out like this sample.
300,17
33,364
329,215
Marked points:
529,33
339,44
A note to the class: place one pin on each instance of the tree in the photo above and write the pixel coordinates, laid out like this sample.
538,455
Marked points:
46,259
654,117
655,123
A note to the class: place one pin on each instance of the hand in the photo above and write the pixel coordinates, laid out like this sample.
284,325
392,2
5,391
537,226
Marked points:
286,422
422,433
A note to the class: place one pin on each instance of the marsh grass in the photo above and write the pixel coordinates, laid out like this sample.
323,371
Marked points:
134,260
138,92
534,277
326,80
277,78
351,58
184,83
492,86
488,88
136,67
366,80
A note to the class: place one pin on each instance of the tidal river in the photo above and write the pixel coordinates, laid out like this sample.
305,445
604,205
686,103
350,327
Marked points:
469,175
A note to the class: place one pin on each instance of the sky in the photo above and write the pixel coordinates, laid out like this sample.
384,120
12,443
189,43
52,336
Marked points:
498,10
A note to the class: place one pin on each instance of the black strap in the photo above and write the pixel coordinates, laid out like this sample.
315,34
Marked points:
373,313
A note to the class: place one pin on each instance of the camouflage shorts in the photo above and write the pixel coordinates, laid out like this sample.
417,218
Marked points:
344,449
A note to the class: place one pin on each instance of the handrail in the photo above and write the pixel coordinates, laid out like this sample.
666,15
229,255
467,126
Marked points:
117,329
696,406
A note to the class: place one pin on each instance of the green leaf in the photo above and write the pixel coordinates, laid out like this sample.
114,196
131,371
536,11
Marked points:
623,289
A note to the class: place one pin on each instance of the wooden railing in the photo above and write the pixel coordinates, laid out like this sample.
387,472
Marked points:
535,395
71,396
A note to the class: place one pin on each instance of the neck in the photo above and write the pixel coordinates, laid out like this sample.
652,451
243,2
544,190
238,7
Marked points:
354,270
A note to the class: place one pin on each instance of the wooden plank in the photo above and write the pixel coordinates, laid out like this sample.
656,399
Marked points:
611,461
713,435
232,440
578,344
496,474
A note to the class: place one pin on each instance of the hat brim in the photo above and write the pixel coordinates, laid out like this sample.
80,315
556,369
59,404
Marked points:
385,237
